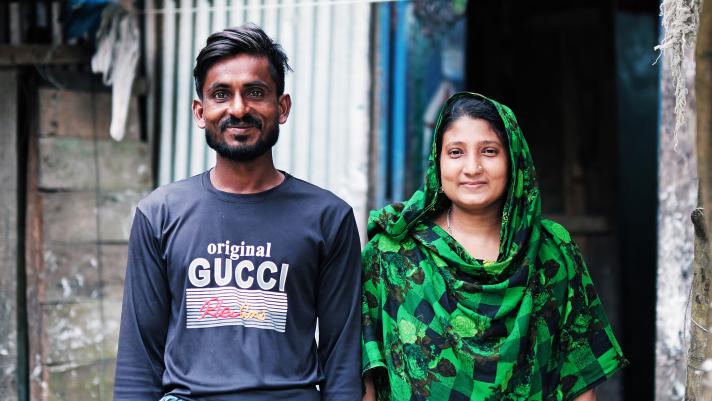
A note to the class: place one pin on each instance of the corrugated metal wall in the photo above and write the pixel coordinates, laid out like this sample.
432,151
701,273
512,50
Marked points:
325,140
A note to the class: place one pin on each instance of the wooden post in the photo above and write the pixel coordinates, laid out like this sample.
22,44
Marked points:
8,235
703,88
701,387
699,327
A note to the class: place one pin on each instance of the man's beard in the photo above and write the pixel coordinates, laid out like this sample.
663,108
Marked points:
241,153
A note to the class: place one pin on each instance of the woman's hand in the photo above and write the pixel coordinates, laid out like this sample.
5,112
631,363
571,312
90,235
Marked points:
370,394
587,396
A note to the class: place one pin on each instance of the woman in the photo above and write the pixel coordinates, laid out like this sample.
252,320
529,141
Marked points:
468,293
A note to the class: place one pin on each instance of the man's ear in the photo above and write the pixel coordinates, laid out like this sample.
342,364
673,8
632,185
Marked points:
198,113
285,105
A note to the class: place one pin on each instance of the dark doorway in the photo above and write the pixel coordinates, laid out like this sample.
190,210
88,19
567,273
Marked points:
564,68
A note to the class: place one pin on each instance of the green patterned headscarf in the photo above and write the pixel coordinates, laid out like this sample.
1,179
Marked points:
446,326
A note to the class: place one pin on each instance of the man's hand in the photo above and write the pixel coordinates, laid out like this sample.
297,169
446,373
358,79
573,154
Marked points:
587,396
370,394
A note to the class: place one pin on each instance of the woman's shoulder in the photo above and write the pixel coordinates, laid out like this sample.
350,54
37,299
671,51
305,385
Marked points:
557,245
383,243
383,250
557,242
556,232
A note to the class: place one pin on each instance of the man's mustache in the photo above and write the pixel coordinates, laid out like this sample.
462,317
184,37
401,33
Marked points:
245,122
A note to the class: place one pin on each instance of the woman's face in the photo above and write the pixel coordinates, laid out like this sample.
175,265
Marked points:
473,165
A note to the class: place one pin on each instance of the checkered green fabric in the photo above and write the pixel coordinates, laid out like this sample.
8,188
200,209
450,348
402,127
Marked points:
446,326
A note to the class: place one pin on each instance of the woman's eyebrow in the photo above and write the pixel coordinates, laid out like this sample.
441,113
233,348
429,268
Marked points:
456,143
480,143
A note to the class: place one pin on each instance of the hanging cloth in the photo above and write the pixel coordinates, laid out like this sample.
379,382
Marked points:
116,57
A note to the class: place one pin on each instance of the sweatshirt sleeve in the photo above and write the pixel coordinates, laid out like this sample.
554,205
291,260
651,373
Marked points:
144,318
338,306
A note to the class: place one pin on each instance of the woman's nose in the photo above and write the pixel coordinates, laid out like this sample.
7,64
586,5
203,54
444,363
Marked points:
473,165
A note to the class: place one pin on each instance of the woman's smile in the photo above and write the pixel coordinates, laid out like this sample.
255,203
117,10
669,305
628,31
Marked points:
474,184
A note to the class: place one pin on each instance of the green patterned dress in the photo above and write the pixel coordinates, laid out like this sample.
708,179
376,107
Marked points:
446,326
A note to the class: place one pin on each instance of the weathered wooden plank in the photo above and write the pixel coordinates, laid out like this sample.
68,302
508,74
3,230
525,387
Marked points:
77,277
74,332
116,212
71,113
17,55
108,372
71,272
124,165
701,313
8,385
8,234
68,163
70,217
110,329
72,382
81,114
113,264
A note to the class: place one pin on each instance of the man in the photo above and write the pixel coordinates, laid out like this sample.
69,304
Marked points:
229,270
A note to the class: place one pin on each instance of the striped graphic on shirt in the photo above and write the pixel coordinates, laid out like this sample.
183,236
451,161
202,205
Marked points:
230,306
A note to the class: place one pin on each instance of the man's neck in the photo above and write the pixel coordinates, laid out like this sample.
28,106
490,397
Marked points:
247,177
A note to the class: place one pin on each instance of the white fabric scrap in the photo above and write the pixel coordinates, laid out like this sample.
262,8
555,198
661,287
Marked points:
116,58
680,20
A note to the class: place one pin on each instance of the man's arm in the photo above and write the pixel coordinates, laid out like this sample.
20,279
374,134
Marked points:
144,318
338,304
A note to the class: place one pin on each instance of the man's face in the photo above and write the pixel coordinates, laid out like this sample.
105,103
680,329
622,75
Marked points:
240,110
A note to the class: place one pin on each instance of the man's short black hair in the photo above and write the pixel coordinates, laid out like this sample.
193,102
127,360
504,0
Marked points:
245,39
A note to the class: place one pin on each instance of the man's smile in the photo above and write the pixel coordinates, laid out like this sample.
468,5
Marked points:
240,124
238,131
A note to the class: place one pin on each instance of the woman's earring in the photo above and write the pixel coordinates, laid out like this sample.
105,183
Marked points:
441,189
